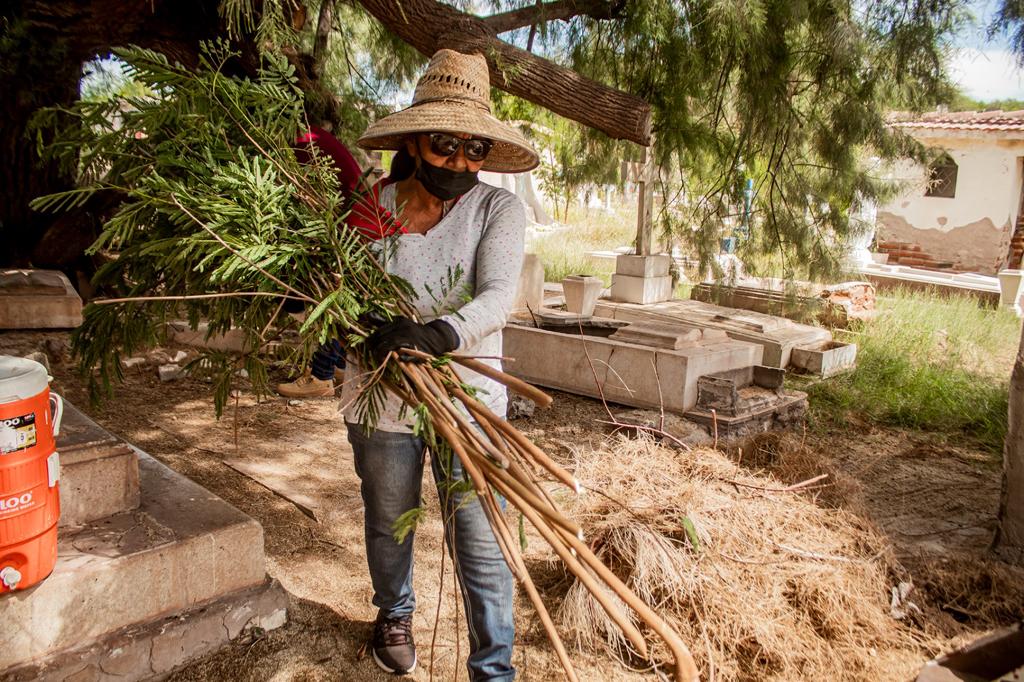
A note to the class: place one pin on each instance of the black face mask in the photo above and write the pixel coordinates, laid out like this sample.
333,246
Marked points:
444,183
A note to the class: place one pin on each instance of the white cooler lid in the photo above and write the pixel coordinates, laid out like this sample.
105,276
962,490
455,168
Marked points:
20,378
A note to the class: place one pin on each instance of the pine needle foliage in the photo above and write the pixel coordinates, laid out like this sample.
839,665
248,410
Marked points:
220,223
792,94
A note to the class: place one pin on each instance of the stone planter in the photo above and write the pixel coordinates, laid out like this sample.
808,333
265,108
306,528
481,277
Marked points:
581,292
1010,289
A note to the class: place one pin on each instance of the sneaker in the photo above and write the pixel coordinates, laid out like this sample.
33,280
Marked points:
393,648
307,386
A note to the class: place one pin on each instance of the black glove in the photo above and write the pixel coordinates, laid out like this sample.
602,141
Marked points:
437,338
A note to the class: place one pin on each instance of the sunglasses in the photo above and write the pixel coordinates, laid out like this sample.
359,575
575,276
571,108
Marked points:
445,144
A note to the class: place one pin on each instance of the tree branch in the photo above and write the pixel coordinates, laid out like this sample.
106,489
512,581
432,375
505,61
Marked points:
429,25
551,11
323,32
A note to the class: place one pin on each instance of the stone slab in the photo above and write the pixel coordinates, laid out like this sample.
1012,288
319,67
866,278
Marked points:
778,336
786,411
232,341
629,374
664,335
181,547
38,299
631,289
656,265
99,472
530,289
157,648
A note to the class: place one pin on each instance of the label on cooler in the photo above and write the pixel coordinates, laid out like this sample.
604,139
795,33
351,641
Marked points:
17,433
13,503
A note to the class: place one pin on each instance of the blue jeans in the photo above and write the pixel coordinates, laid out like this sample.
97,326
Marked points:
390,466
326,358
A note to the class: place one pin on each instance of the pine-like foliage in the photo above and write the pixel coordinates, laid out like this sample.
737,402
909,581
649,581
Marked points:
792,94
219,222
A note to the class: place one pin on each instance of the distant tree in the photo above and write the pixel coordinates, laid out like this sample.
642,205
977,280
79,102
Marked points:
962,102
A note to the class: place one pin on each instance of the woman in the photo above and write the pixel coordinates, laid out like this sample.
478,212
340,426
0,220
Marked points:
461,250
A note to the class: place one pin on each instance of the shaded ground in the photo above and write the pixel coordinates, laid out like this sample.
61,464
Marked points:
935,502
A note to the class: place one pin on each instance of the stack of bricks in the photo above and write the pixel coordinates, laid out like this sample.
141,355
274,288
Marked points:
910,254
1016,248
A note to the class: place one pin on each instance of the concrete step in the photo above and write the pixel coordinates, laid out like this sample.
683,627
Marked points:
99,472
181,547
152,650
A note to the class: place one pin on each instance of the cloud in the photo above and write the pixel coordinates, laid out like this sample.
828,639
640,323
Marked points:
987,74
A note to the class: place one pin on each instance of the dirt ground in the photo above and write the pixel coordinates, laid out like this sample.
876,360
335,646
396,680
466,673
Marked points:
933,500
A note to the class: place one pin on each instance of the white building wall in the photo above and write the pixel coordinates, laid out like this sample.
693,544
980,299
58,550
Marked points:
972,229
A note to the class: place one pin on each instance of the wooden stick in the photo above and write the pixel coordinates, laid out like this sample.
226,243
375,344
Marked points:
686,669
577,568
515,385
524,443
498,525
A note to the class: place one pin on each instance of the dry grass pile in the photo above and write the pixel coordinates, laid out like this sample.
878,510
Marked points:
980,592
763,585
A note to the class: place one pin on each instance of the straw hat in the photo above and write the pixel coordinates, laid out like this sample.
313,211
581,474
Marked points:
454,96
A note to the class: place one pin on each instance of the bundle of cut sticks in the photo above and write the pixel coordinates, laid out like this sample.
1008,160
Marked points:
500,459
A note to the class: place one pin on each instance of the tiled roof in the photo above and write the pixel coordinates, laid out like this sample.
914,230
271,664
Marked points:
961,120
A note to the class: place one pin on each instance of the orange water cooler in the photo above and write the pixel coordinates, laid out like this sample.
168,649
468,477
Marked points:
29,473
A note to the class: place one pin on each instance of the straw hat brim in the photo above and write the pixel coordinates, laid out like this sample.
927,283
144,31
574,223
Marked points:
511,153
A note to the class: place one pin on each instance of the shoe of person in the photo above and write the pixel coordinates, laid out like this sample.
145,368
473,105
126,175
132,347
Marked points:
393,648
307,386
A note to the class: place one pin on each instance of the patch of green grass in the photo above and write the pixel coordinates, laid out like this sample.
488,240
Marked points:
562,249
939,364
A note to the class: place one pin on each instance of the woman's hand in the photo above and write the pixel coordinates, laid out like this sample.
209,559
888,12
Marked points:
437,338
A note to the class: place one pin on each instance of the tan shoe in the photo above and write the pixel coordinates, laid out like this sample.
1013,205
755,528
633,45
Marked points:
307,387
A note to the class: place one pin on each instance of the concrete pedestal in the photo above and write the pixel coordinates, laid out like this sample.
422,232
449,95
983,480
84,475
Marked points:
1010,284
581,292
629,289
656,265
642,279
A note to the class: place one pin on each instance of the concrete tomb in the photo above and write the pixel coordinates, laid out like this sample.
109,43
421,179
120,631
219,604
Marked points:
152,571
38,299
778,336
587,359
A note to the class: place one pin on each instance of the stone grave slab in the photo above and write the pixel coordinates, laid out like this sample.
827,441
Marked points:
778,336
38,299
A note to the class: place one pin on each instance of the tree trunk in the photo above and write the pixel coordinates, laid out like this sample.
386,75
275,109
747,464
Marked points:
44,47
1009,540
34,81
429,26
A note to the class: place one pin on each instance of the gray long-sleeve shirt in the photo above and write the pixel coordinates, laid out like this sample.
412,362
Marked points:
464,270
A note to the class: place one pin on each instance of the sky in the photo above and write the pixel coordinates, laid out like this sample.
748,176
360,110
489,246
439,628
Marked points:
985,70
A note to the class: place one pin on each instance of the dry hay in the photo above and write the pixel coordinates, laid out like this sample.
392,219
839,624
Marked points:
774,586
979,592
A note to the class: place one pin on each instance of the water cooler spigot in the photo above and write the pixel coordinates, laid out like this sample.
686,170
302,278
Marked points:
10,577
